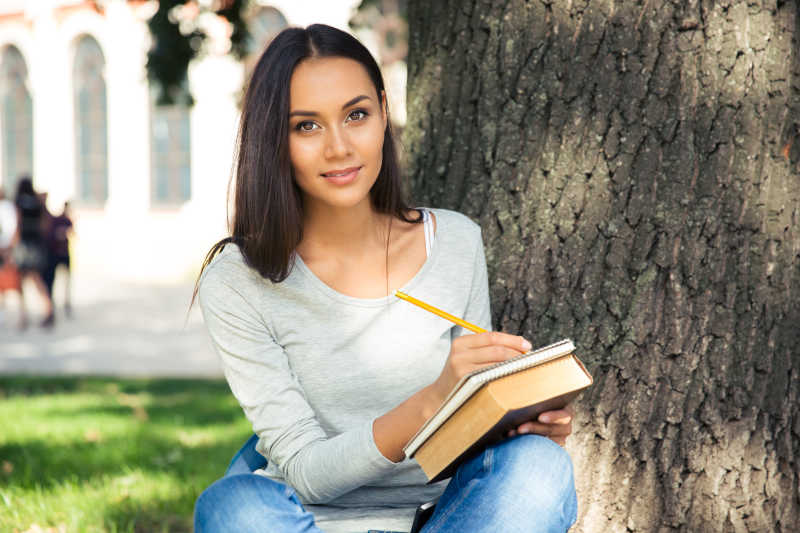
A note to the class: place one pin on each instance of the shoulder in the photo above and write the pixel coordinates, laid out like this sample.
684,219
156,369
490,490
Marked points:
452,225
226,276
458,244
454,219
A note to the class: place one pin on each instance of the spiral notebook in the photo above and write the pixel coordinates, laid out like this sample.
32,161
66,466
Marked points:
472,383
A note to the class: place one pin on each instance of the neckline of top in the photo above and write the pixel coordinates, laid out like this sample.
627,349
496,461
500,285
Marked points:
383,300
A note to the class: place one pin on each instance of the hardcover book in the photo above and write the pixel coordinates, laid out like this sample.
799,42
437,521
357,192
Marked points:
487,403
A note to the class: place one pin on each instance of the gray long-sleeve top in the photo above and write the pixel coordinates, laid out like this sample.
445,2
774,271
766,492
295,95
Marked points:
313,368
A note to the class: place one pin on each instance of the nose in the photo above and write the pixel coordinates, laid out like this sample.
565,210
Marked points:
337,144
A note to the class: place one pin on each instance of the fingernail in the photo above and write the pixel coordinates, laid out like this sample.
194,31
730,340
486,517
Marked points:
545,419
526,345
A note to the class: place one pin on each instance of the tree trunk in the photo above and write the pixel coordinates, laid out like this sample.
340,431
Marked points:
636,171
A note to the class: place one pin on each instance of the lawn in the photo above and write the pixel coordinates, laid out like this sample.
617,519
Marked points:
97,454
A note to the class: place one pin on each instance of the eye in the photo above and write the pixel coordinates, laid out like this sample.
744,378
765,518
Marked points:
306,126
357,115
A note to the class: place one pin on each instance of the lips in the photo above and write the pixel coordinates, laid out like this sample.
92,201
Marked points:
340,173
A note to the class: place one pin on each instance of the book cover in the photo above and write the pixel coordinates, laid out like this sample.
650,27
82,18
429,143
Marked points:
487,403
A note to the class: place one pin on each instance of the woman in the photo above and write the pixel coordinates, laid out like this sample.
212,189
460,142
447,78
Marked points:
333,372
30,253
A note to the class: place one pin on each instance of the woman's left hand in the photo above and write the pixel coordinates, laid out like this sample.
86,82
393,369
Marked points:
555,425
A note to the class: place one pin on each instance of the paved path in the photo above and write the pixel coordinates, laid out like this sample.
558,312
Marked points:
117,329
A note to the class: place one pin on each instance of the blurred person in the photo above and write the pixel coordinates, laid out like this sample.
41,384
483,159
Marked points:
45,226
30,253
58,233
9,276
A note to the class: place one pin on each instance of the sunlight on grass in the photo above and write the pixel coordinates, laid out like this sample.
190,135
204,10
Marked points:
90,454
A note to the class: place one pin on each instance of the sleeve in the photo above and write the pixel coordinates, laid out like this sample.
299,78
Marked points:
319,468
478,309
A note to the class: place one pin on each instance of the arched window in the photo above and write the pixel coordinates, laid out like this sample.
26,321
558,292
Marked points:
91,133
17,118
170,153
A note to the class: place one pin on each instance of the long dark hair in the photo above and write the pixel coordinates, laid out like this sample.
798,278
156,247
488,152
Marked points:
267,222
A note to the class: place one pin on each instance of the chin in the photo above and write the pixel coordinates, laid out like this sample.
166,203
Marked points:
343,200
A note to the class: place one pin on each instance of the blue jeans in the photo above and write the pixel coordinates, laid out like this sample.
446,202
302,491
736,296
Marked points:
524,484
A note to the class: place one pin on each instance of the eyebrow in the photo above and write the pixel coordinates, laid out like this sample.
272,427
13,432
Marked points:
347,104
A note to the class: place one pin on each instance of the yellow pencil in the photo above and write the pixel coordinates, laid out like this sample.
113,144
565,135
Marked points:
439,312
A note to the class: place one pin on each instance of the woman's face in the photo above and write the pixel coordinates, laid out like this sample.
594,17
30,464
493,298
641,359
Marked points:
336,129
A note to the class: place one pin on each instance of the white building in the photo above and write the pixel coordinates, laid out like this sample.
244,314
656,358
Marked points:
148,185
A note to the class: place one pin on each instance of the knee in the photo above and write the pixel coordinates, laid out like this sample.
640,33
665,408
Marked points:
536,457
232,503
540,473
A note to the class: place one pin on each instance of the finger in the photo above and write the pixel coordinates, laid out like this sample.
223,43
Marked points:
535,428
486,355
560,416
554,435
495,338
547,430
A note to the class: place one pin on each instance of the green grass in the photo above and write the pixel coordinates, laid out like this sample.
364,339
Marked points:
96,454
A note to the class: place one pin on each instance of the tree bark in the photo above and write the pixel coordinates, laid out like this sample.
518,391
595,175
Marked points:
635,168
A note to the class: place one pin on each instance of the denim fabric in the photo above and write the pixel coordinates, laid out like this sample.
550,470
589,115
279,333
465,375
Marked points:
247,459
524,484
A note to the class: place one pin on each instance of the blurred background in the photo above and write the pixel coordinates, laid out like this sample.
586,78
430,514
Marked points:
88,113
117,127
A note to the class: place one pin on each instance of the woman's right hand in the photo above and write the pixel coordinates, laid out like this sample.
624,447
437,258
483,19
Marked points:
467,353
470,352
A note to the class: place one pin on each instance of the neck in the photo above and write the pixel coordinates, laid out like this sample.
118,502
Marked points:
334,231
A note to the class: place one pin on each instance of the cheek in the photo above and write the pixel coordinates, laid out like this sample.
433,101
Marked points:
302,154
370,141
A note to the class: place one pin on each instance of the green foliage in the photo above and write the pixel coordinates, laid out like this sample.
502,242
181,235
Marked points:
176,42
169,56
174,47
96,454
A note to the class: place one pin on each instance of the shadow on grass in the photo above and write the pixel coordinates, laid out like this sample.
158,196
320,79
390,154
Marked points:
183,408
167,432
152,421
173,515
39,464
